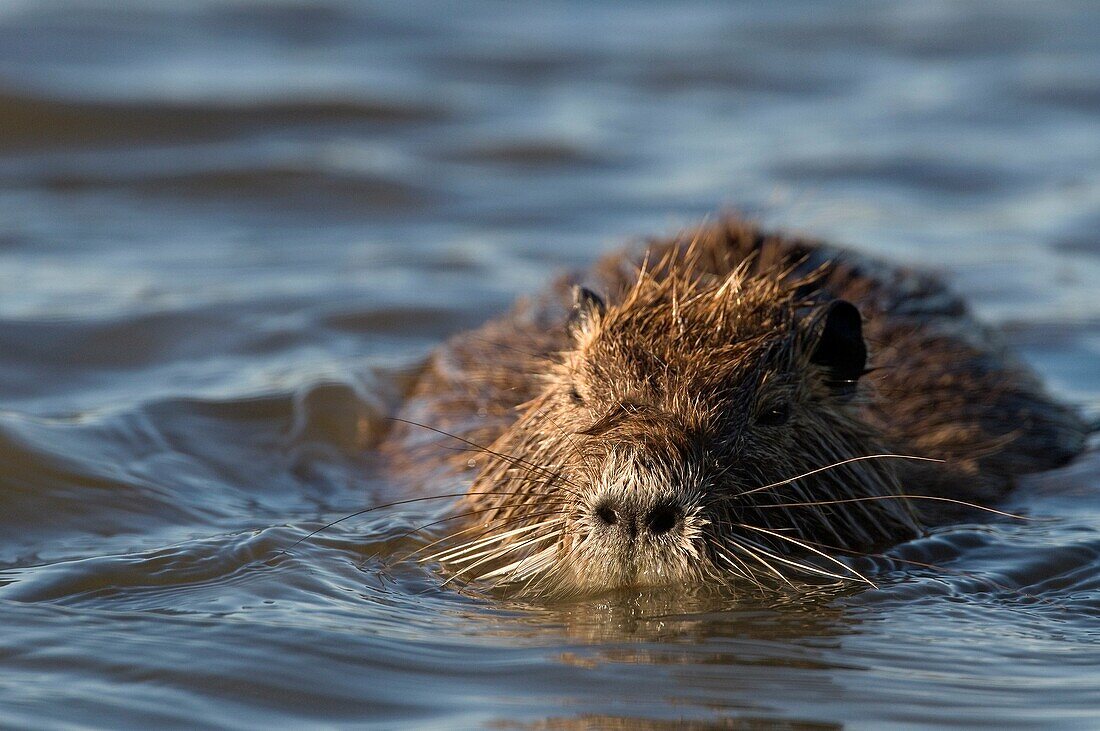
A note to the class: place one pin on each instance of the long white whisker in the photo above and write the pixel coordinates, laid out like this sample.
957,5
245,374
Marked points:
747,551
810,548
453,553
537,560
903,496
498,554
834,466
451,536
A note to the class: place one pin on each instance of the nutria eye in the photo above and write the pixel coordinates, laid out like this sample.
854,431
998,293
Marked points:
774,415
575,396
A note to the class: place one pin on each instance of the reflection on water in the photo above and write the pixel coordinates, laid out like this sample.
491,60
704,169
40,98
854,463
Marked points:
231,229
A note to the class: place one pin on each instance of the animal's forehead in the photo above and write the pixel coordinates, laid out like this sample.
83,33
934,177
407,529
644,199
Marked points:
693,332
692,363
691,335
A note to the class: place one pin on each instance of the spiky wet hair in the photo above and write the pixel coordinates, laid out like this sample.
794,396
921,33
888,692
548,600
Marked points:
726,387
730,369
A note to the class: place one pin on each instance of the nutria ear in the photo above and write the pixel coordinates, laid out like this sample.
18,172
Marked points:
586,305
840,346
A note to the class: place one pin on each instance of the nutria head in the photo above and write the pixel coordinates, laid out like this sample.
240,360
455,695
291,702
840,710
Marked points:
664,445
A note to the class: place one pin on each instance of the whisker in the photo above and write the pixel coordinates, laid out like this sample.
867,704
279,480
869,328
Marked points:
451,536
450,555
511,459
540,557
482,546
506,550
806,568
937,567
810,548
906,496
738,567
739,545
560,567
556,570
551,477
383,506
841,463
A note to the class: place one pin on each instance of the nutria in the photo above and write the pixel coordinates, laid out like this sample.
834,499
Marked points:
727,406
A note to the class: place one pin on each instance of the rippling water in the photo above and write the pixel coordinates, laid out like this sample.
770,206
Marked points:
229,228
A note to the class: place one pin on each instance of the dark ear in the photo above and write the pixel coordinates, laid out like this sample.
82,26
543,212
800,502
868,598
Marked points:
840,347
586,305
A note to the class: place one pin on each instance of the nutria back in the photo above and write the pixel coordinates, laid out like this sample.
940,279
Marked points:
725,406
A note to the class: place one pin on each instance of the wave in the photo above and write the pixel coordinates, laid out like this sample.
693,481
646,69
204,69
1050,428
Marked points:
30,121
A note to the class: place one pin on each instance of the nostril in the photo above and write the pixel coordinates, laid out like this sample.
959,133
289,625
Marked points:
606,514
662,519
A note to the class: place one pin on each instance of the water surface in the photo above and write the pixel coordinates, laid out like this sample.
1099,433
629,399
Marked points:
229,228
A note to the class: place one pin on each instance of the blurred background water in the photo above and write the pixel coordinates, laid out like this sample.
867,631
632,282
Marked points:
228,226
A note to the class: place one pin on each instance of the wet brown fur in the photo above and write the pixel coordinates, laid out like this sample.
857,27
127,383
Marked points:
659,399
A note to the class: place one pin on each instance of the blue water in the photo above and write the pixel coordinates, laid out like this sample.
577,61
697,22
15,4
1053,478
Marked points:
227,229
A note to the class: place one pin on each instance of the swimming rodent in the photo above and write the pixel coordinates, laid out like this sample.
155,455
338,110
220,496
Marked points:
728,406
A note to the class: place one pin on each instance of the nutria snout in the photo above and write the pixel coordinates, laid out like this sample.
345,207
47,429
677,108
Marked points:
631,517
724,408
